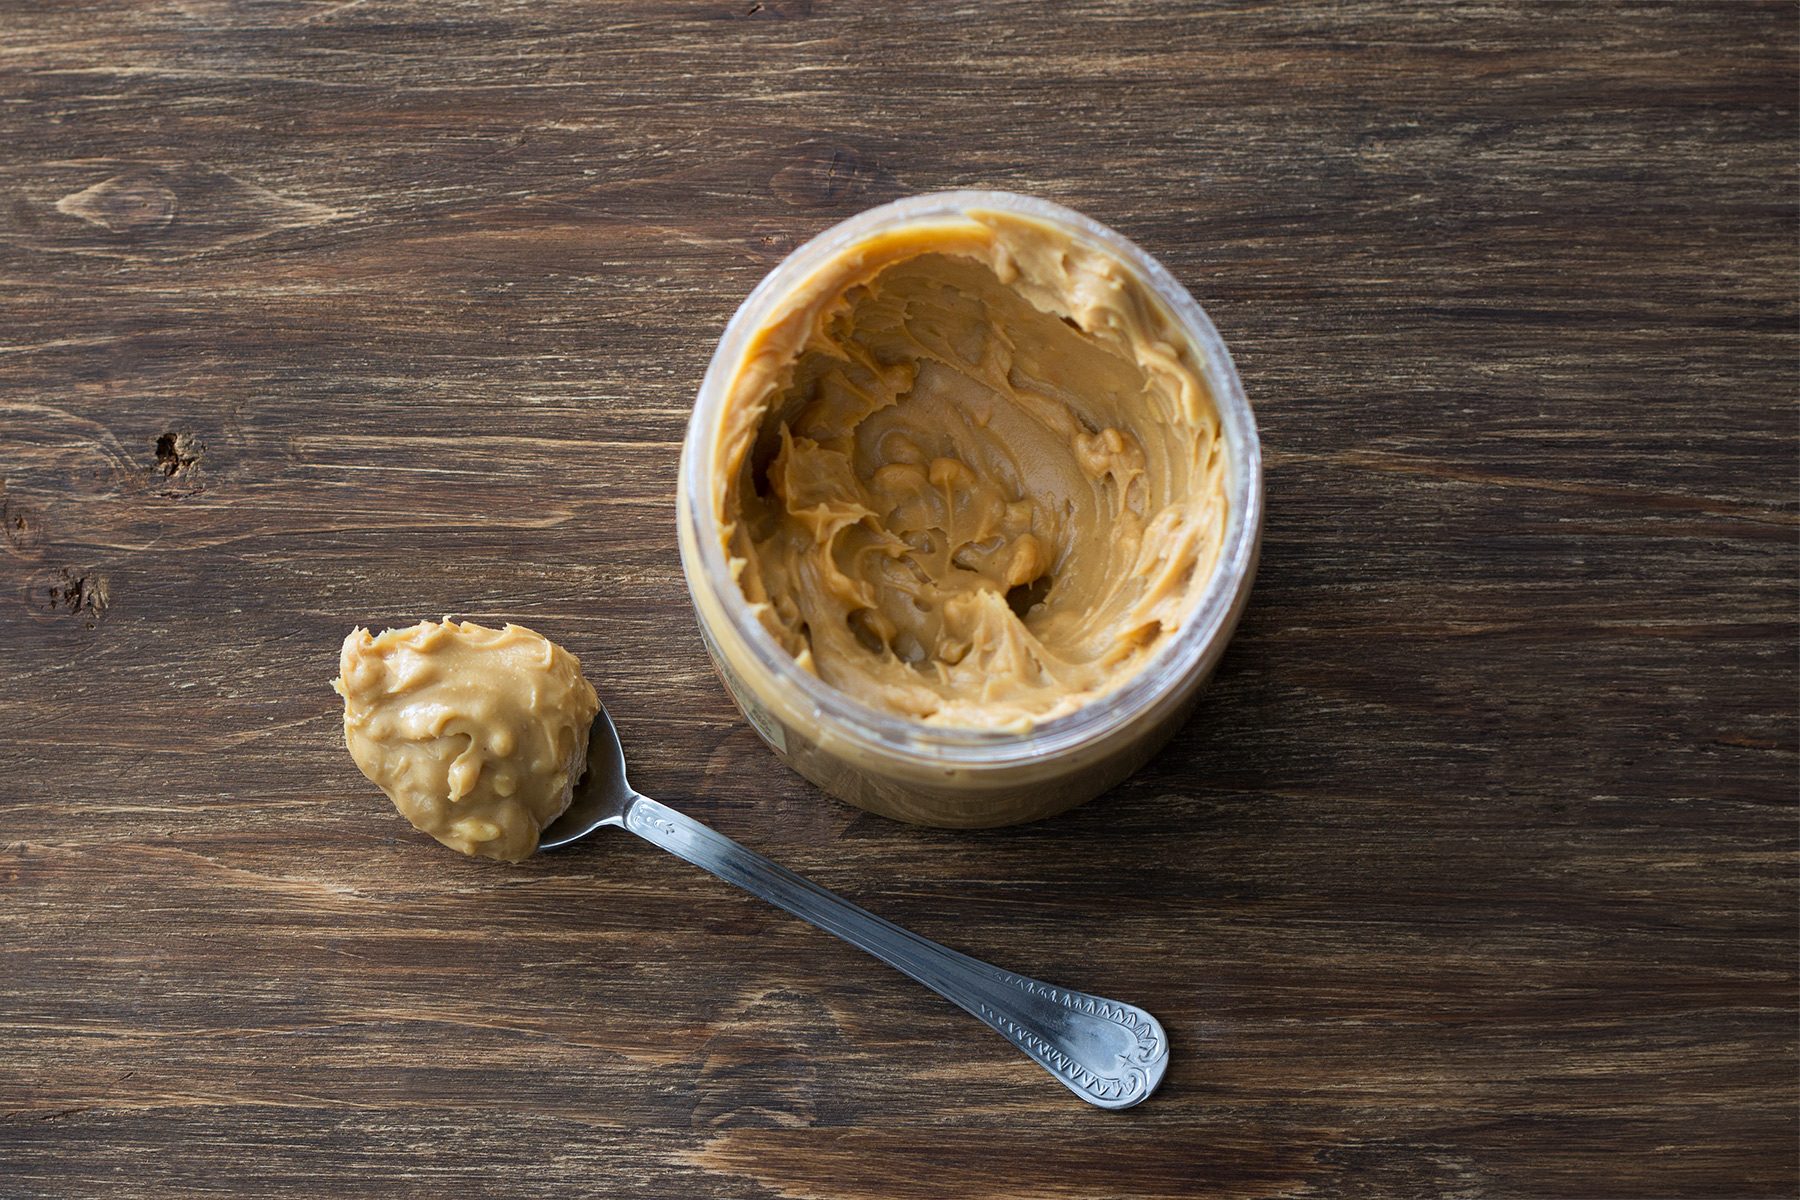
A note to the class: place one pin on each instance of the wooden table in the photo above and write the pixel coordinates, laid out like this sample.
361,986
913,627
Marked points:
1474,874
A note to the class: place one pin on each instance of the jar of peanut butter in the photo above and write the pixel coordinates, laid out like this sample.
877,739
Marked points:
968,507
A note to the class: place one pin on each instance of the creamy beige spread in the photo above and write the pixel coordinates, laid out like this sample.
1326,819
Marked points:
477,735
971,473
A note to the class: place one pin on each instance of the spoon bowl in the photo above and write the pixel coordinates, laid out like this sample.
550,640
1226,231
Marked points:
601,794
1111,1054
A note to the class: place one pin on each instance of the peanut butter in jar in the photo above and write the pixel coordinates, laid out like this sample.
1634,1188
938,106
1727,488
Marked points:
969,505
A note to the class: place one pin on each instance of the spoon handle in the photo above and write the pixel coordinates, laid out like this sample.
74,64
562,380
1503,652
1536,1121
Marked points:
1110,1054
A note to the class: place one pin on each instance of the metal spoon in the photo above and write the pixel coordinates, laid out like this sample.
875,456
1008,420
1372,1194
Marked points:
1110,1054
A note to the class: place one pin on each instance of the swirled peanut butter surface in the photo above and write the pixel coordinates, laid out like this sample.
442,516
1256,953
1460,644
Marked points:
477,735
971,473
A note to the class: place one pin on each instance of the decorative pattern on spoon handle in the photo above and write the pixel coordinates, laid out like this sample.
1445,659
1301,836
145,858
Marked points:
1133,1072
1110,1054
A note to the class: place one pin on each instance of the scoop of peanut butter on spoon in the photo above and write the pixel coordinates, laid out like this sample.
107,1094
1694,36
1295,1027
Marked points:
477,735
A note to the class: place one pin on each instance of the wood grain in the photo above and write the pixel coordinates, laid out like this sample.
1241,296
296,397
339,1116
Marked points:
1473,876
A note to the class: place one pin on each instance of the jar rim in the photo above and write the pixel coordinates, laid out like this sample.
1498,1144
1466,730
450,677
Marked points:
1181,657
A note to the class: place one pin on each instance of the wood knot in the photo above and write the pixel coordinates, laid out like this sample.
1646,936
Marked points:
86,596
177,462
165,211
825,174
18,525
135,202
774,10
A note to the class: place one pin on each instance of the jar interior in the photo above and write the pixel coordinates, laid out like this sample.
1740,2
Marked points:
987,484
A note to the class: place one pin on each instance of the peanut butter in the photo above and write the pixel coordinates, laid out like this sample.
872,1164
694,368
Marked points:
972,474
477,735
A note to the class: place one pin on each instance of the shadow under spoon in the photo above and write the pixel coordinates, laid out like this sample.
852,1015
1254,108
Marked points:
1110,1054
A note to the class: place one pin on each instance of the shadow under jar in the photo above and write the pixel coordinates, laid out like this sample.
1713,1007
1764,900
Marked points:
969,506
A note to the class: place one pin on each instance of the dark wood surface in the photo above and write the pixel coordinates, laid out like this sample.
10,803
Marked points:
1474,874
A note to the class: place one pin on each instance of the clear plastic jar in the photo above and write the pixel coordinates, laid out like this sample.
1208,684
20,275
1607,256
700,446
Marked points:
953,777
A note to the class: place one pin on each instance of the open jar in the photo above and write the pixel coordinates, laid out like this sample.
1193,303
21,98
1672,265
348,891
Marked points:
872,742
